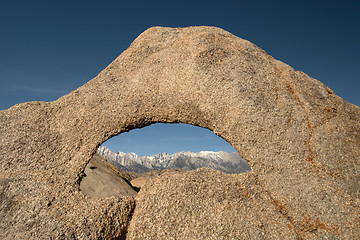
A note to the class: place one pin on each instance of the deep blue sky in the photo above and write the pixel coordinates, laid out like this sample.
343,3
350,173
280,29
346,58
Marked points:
49,48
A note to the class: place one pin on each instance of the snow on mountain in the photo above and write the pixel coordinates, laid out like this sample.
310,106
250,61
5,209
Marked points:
223,161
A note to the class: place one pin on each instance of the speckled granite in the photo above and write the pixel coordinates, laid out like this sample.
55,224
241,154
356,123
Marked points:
300,139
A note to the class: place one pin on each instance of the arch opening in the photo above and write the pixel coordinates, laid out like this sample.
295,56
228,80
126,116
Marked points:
124,163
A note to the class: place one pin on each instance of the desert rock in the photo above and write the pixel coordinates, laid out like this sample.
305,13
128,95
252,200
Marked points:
300,139
103,180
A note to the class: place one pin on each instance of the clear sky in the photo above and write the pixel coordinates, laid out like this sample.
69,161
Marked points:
49,48
169,138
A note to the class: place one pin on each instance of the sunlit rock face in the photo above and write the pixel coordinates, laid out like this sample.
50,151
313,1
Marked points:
300,139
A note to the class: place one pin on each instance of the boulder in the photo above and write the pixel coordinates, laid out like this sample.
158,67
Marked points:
300,139
104,180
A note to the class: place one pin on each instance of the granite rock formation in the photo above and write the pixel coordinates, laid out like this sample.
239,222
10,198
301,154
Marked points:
104,180
300,139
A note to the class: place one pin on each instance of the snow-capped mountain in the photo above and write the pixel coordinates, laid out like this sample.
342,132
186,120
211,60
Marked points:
223,161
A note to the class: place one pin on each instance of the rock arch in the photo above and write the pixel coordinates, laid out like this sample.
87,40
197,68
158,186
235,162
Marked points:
301,141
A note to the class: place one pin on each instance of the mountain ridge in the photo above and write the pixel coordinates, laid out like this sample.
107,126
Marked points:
221,160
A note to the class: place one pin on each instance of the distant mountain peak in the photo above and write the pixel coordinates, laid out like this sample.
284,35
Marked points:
223,161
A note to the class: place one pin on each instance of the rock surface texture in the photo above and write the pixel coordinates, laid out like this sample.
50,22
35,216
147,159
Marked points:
103,180
300,139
